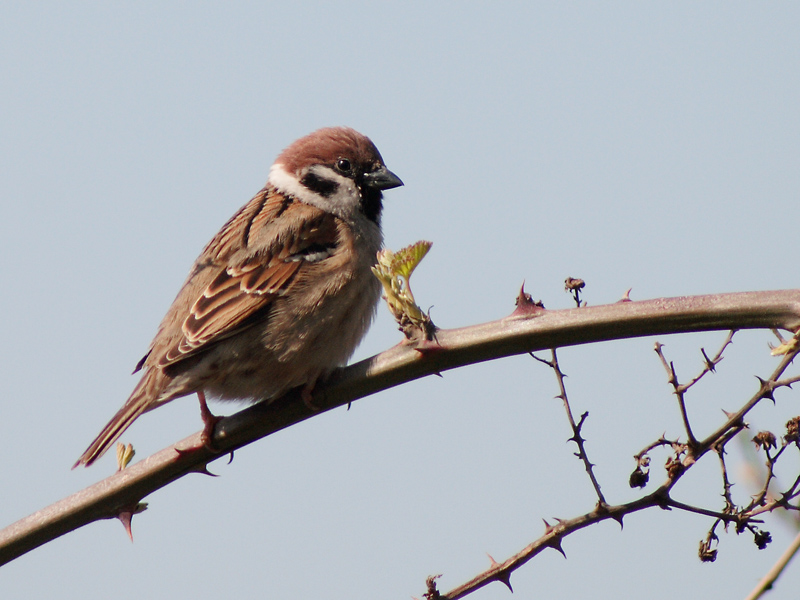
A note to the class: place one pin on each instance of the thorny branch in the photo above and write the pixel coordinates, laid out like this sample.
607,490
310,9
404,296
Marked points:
528,329
730,507
576,427
684,456
681,389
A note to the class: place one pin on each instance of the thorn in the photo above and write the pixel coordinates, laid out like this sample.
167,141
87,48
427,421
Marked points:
769,388
125,518
502,576
523,297
618,519
626,297
230,460
203,470
547,527
709,363
189,451
555,544
525,304
439,375
505,577
425,346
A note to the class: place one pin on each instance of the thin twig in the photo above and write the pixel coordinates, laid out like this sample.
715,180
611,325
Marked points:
782,502
765,390
710,363
730,507
720,516
576,429
662,441
761,498
501,571
681,389
672,379
661,498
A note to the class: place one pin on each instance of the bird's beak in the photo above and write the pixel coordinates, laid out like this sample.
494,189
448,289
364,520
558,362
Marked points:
382,179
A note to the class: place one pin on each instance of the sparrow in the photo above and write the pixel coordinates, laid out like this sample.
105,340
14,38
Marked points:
282,295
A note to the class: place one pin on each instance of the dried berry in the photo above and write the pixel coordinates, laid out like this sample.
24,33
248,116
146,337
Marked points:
765,439
639,478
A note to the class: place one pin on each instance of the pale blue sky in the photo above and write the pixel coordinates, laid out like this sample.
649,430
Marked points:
638,145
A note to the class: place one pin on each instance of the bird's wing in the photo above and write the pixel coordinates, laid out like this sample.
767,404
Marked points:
257,257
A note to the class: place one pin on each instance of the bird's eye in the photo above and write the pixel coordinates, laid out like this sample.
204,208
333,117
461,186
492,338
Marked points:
344,165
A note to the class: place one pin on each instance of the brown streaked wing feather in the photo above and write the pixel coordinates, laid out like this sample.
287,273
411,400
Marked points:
222,313
265,207
238,291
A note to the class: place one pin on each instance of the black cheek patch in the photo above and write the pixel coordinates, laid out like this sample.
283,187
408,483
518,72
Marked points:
371,204
318,185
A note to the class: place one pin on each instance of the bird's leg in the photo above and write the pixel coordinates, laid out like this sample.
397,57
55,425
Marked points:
210,421
307,395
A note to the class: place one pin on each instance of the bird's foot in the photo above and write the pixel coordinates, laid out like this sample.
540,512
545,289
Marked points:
307,395
210,421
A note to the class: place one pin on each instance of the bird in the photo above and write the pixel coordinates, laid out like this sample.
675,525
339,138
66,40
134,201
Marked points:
282,295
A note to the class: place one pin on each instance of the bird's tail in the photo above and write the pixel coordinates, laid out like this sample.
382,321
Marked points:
139,402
